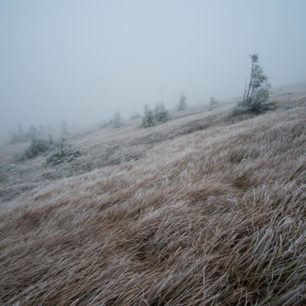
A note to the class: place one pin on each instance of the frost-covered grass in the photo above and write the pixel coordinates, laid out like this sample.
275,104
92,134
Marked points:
210,216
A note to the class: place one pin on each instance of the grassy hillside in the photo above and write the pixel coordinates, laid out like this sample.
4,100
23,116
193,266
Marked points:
204,209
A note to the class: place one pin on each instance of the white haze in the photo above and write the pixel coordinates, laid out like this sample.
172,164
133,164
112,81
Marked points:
83,60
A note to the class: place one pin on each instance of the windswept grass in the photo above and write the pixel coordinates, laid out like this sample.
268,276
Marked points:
212,216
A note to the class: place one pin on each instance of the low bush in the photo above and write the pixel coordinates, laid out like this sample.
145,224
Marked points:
254,105
63,153
37,147
59,157
60,151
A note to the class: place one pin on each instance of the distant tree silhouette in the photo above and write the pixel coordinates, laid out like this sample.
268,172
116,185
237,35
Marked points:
161,114
182,105
148,118
64,128
156,116
116,121
32,132
212,103
135,116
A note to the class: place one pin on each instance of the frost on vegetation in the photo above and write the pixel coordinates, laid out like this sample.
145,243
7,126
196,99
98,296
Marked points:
3,175
209,216
256,95
63,153
156,116
59,151
37,147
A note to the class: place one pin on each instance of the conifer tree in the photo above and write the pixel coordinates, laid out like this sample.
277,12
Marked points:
256,94
212,103
148,119
182,105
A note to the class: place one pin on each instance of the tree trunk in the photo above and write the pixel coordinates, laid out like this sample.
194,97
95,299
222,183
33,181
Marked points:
251,79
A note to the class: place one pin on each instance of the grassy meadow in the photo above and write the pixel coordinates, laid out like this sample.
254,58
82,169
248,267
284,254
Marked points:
205,209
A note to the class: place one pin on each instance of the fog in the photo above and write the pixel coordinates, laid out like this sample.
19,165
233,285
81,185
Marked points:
83,60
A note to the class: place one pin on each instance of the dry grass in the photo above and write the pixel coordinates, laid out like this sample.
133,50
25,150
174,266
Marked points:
212,216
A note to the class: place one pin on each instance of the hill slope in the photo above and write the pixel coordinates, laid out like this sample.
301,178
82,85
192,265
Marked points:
203,209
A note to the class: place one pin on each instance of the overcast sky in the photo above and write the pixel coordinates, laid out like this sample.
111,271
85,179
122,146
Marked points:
83,60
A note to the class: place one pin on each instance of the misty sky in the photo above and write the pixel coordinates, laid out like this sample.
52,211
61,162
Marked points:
83,60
